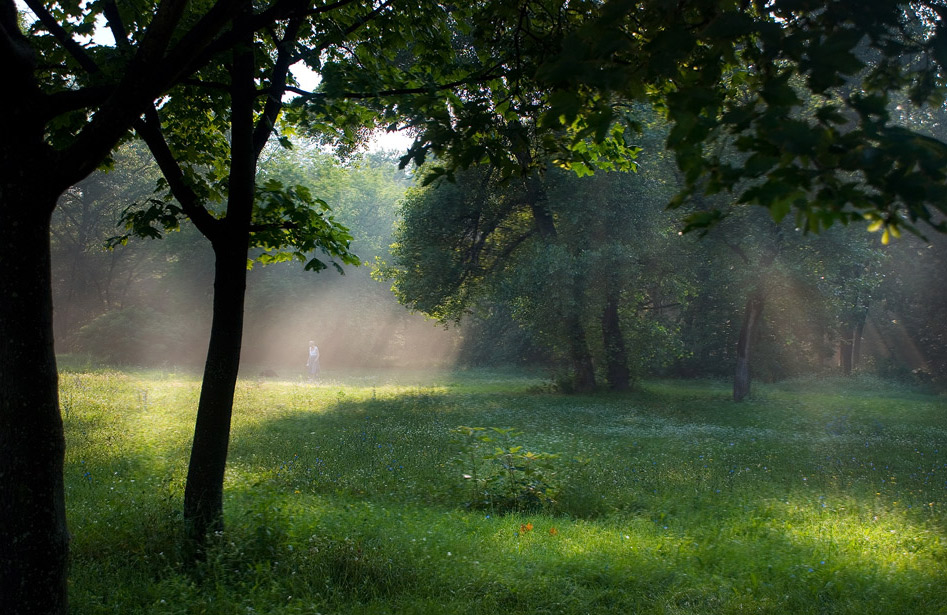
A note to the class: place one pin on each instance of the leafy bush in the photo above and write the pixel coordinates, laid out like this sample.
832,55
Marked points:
503,475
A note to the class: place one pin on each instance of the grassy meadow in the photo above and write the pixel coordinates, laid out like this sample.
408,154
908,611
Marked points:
349,496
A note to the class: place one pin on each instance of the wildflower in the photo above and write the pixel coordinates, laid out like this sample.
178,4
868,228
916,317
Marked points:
526,527
553,531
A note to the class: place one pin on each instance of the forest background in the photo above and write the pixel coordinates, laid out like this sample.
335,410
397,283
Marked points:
834,303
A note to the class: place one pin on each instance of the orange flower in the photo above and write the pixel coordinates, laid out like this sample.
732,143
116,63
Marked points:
553,531
526,527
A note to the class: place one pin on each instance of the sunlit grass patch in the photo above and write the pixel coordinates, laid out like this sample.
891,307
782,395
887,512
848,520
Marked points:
341,497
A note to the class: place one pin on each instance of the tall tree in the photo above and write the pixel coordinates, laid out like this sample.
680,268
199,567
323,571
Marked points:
283,222
474,242
73,104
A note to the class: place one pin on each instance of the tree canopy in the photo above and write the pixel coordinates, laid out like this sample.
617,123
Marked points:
804,92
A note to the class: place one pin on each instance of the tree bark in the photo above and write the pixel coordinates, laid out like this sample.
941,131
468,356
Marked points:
203,491
616,354
846,347
579,353
857,340
33,536
581,357
751,317
858,331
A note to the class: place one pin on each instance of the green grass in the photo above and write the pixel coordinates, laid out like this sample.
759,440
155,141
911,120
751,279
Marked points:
818,496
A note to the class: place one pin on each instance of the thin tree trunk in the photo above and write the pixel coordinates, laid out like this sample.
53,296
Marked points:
581,357
751,317
845,350
203,491
857,338
616,354
34,540
579,353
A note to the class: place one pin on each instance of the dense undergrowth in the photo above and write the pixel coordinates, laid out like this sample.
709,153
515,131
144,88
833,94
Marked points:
348,496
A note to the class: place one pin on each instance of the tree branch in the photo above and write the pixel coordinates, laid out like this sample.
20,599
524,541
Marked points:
65,39
73,100
274,101
508,250
210,85
114,19
356,26
150,73
472,79
281,9
149,129
13,45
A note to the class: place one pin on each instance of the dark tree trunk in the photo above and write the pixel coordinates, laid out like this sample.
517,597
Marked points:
33,536
846,348
857,341
581,357
579,353
751,318
203,491
616,355
34,541
850,348
859,331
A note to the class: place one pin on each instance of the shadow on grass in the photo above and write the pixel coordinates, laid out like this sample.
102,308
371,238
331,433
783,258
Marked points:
678,528
346,501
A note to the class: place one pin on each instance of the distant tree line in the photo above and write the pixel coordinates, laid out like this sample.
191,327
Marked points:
653,302
618,287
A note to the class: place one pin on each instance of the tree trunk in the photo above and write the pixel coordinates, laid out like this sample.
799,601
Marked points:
751,318
581,357
203,492
579,353
33,536
846,350
857,341
616,355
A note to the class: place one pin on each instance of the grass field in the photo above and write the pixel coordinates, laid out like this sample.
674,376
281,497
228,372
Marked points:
348,497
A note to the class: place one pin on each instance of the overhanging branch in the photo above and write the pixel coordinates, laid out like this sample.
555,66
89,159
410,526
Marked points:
473,79
149,129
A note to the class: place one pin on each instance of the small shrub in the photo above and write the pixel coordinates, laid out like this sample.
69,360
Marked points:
501,474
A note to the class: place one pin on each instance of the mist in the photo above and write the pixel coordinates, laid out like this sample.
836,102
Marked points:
148,302
356,322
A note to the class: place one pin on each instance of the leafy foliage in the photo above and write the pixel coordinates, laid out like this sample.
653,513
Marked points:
291,217
802,91
504,476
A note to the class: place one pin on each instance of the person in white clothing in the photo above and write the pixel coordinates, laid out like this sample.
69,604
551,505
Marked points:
313,363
